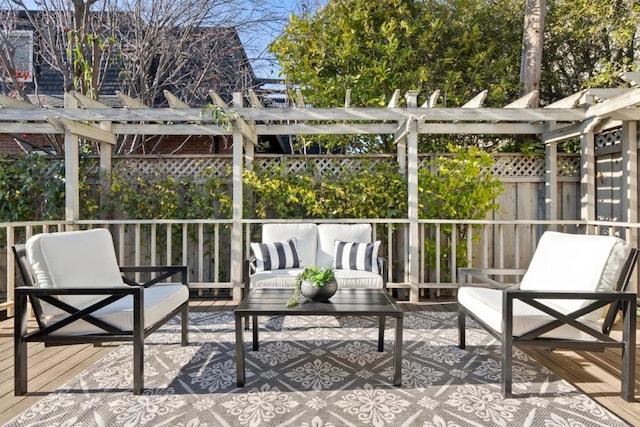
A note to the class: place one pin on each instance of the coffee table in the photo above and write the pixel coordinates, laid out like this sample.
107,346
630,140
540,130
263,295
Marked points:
353,302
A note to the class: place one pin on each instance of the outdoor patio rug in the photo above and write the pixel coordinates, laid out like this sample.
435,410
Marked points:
317,371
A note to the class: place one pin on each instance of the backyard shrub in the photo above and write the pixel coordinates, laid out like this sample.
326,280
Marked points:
458,187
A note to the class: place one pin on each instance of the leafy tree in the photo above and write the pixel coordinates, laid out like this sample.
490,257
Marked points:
588,44
460,47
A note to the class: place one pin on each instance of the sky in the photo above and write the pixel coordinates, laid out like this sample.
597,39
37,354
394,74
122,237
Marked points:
257,41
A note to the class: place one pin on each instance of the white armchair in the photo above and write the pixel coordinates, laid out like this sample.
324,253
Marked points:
560,301
79,295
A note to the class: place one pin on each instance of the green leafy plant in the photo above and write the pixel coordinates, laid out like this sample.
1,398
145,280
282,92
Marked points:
318,276
460,186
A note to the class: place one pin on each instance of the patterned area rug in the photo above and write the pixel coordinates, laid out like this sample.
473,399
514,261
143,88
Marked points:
320,372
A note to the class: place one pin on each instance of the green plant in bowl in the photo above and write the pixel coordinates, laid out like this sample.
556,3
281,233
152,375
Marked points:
318,276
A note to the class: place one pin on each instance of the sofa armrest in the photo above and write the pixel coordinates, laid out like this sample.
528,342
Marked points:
484,276
248,267
382,268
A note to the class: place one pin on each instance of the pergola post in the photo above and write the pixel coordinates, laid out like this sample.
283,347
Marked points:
71,168
236,228
629,193
587,175
551,181
629,147
412,191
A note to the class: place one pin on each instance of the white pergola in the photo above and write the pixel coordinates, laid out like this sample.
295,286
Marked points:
582,115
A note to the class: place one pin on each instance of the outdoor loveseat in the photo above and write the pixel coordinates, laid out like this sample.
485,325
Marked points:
286,248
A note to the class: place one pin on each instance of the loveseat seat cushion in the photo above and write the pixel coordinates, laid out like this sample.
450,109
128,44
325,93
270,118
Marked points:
358,279
306,235
159,300
287,279
71,260
329,233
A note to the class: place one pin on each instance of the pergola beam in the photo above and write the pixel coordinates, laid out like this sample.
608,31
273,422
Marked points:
8,102
83,131
160,115
174,101
525,101
628,98
477,101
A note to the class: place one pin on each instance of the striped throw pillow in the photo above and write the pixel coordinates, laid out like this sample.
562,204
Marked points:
356,256
276,255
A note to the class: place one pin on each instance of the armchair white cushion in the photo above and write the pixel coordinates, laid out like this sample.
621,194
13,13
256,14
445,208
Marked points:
306,236
329,233
561,262
81,259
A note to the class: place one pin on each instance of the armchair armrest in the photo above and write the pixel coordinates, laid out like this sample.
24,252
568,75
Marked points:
49,295
166,270
600,299
483,275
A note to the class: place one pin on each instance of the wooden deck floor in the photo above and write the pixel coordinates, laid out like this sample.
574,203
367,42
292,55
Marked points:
596,374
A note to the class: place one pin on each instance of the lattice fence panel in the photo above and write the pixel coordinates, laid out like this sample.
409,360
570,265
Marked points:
194,167
607,139
197,167
321,165
518,166
568,166
514,166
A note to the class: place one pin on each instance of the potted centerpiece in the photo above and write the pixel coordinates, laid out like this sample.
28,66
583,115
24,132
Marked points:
315,283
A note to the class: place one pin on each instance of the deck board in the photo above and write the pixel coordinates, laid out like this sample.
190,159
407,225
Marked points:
595,374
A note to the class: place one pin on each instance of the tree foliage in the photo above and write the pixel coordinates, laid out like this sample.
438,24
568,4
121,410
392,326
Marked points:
457,46
588,44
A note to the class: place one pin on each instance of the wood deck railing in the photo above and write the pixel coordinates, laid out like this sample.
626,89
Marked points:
204,245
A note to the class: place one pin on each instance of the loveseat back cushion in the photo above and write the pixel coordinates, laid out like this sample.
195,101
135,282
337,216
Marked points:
306,236
356,256
276,255
574,263
329,233
72,260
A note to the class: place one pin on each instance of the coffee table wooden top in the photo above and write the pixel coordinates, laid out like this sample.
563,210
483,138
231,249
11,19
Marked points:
357,302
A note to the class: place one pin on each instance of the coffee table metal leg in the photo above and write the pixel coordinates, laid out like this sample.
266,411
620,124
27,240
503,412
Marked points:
256,346
397,354
381,322
239,353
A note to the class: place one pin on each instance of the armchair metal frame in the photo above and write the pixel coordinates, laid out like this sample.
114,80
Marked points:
618,299
111,333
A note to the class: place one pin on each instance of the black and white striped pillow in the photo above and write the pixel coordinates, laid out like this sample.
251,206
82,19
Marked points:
276,255
356,256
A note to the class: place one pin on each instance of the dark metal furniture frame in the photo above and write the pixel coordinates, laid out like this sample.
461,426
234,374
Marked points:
618,299
354,302
111,333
